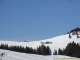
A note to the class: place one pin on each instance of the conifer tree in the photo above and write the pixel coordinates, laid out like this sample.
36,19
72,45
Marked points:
55,52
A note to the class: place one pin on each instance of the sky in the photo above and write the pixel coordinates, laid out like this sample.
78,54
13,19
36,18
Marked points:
37,19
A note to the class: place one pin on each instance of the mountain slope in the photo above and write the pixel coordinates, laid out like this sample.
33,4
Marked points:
56,42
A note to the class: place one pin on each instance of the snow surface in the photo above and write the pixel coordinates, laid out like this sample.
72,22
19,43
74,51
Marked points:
10,55
57,42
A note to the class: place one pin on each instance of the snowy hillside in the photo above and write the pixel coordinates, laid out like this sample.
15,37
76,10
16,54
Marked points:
55,42
10,55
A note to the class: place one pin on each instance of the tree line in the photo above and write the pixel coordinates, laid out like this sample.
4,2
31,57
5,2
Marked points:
72,49
74,32
41,50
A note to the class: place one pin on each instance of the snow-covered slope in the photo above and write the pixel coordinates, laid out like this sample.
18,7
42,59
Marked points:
57,42
10,55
